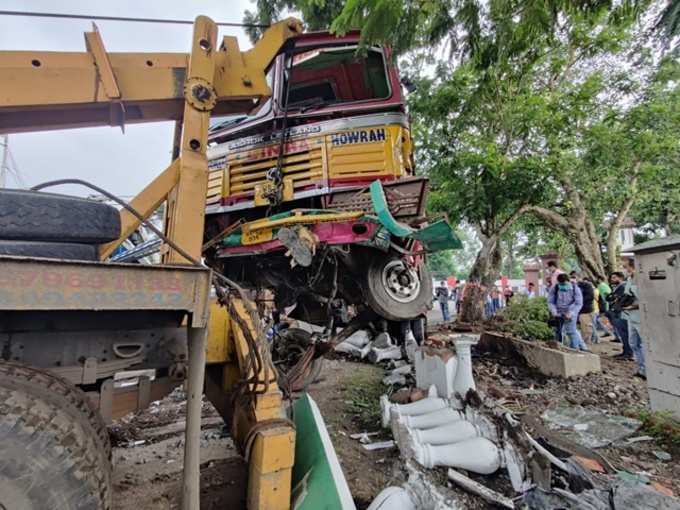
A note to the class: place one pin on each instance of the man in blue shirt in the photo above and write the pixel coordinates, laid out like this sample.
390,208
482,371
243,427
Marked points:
565,301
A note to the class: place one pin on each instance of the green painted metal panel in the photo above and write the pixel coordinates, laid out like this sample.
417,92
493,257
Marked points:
318,481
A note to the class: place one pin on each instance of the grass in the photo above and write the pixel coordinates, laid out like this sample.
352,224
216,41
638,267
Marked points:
662,425
362,396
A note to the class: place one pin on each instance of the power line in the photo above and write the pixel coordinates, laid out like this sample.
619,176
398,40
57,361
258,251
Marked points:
122,18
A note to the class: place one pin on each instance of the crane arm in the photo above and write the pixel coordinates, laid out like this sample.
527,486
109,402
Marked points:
57,90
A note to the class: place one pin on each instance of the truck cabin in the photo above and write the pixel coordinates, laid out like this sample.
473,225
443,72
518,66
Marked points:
339,116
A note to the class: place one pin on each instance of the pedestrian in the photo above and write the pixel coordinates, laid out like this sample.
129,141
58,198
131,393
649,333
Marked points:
631,311
531,290
552,273
585,316
508,294
600,309
614,313
442,295
565,301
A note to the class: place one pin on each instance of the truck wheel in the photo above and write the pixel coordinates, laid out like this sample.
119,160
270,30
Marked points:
65,251
48,457
38,216
397,291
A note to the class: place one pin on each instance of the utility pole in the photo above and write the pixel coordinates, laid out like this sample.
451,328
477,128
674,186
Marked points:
4,165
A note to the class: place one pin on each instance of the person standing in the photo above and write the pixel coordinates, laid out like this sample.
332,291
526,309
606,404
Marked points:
619,323
631,311
552,273
600,309
531,290
442,295
565,301
585,316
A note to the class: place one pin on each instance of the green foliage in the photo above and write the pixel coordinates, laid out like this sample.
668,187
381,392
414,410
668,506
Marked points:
663,425
526,318
316,14
362,395
442,265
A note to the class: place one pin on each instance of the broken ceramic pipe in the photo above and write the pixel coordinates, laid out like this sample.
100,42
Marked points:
393,498
478,455
450,433
430,420
377,355
426,405
463,380
359,338
352,349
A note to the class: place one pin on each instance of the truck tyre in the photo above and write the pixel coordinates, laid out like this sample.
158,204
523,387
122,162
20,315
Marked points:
38,216
50,454
396,291
65,251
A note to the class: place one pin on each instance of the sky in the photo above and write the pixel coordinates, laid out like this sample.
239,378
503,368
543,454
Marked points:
120,163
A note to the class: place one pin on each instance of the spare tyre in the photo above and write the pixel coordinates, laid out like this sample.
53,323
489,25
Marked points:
396,290
38,216
65,251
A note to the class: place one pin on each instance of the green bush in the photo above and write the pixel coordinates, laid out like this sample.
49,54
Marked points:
526,318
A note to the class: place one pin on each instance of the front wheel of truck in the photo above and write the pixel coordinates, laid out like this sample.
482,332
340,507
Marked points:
397,290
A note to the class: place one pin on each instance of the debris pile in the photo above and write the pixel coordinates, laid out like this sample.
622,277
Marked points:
488,451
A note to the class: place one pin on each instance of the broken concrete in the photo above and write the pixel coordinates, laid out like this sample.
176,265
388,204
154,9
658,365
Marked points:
562,362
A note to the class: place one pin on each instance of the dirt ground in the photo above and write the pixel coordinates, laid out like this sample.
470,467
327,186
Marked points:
148,449
149,446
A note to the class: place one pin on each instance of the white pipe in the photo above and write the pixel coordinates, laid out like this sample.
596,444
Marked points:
464,381
376,355
478,455
450,433
426,405
393,498
431,420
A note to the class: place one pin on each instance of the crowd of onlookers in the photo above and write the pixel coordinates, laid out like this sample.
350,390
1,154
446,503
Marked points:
579,304
581,309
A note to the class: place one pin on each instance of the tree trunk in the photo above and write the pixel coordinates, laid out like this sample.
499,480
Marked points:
482,275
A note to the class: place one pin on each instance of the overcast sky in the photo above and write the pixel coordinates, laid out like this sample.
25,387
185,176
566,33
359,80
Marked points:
120,163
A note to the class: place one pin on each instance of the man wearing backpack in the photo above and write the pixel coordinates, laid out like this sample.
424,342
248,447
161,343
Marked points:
565,301
585,315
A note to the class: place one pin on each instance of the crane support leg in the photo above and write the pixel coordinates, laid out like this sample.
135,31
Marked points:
260,426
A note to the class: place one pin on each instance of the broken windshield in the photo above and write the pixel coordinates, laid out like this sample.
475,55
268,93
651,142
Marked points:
337,75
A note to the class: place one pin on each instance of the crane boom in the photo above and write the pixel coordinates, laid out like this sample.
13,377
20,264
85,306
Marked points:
57,90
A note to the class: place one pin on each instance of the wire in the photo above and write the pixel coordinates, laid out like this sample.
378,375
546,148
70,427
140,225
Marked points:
125,206
122,18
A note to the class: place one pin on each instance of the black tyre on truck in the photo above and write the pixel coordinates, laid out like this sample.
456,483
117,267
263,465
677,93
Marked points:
38,216
396,290
54,449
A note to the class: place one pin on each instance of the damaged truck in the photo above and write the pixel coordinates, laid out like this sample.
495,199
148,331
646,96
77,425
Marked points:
313,194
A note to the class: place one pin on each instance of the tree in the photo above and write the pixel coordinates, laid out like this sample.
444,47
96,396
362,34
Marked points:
316,14
629,155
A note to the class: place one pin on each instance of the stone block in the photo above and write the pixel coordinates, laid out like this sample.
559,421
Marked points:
554,362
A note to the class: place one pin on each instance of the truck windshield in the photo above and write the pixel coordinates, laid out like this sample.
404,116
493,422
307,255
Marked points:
337,75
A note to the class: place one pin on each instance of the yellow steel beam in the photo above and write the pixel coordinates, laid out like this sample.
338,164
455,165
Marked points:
299,219
145,203
262,430
185,213
55,90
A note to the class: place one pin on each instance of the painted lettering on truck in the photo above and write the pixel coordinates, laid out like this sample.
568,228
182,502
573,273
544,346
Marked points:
359,136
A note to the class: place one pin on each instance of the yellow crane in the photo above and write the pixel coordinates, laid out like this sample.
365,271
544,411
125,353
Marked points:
56,90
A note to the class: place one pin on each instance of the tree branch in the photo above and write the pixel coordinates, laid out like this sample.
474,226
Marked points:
616,223
551,217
